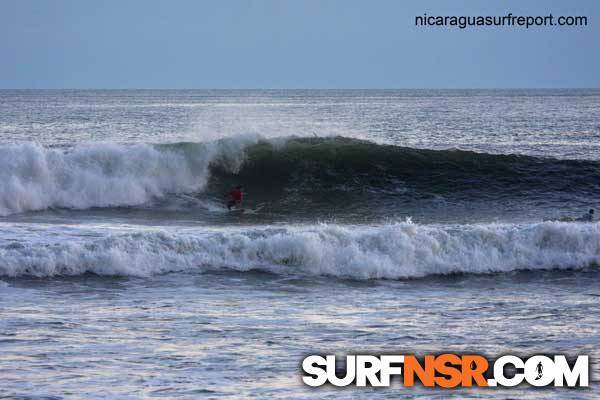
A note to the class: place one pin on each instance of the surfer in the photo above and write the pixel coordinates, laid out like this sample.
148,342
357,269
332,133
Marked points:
590,216
236,196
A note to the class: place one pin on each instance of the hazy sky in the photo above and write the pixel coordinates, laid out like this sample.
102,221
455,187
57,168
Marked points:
290,44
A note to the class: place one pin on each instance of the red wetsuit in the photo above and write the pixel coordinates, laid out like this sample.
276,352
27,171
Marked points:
236,195
236,198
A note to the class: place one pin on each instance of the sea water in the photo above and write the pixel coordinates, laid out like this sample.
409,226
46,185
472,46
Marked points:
400,221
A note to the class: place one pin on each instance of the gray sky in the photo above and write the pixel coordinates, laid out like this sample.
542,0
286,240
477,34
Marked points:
290,44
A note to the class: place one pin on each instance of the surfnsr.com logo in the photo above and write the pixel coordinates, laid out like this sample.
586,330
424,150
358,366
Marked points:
445,370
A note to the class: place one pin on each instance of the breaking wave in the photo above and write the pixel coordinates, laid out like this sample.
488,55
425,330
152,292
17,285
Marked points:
107,175
390,251
33,177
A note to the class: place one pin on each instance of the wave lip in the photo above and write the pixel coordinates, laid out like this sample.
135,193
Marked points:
391,251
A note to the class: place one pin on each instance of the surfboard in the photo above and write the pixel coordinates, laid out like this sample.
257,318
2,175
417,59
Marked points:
255,210
247,210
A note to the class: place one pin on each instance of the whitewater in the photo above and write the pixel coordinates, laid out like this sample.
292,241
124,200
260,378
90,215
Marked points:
392,251
375,221
104,175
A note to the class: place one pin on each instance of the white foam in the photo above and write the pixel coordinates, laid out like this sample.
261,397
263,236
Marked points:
393,251
105,175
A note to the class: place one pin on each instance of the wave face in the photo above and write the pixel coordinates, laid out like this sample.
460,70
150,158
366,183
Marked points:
346,164
291,174
391,251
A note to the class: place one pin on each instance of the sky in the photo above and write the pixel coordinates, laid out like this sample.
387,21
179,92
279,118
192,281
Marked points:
291,44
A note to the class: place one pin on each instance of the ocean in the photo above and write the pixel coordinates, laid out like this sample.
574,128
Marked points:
374,222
